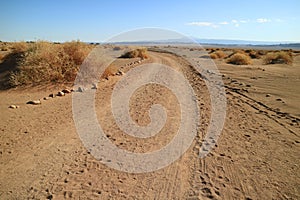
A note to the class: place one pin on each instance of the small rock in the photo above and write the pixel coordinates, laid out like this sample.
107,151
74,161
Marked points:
35,102
81,89
66,91
13,106
46,98
120,73
248,85
268,95
52,95
60,94
94,87
278,99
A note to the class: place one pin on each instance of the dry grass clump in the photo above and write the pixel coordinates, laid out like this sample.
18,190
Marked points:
218,54
254,54
281,57
76,50
235,51
19,47
47,62
239,59
109,71
136,53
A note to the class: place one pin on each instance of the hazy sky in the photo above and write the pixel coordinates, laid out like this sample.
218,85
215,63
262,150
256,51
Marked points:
90,20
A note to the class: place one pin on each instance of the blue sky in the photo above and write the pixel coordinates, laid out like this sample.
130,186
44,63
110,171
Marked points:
97,21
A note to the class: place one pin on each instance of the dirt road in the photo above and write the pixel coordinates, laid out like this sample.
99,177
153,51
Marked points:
42,157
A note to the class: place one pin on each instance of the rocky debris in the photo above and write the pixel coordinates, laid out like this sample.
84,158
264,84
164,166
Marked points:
46,98
60,94
66,91
52,95
81,89
120,73
278,99
94,86
34,102
13,107
268,95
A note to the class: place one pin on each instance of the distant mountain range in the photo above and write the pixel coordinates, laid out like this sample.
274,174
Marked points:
220,42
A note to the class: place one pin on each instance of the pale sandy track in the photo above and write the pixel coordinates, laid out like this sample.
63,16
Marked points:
42,157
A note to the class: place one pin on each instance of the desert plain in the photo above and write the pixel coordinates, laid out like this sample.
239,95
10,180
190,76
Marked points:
255,157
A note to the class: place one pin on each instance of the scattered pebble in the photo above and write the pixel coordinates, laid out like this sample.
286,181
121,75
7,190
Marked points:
52,95
13,106
81,89
120,73
60,94
35,102
94,87
66,91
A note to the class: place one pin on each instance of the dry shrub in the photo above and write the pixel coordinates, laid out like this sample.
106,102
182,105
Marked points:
48,62
261,52
77,50
218,54
281,57
141,53
235,51
254,54
109,71
19,47
239,59
213,56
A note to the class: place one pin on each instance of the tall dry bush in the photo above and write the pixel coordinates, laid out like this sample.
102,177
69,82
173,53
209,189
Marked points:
239,59
141,53
281,57
47,62
218,54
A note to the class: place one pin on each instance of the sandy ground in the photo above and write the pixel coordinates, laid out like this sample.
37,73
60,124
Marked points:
256,157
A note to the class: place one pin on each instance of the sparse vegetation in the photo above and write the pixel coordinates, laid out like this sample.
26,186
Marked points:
254,54
281,57
218,54
239,59
19,47
47,62
136,53
109,71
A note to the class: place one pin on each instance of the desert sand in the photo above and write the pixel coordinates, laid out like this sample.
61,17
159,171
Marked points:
256,157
